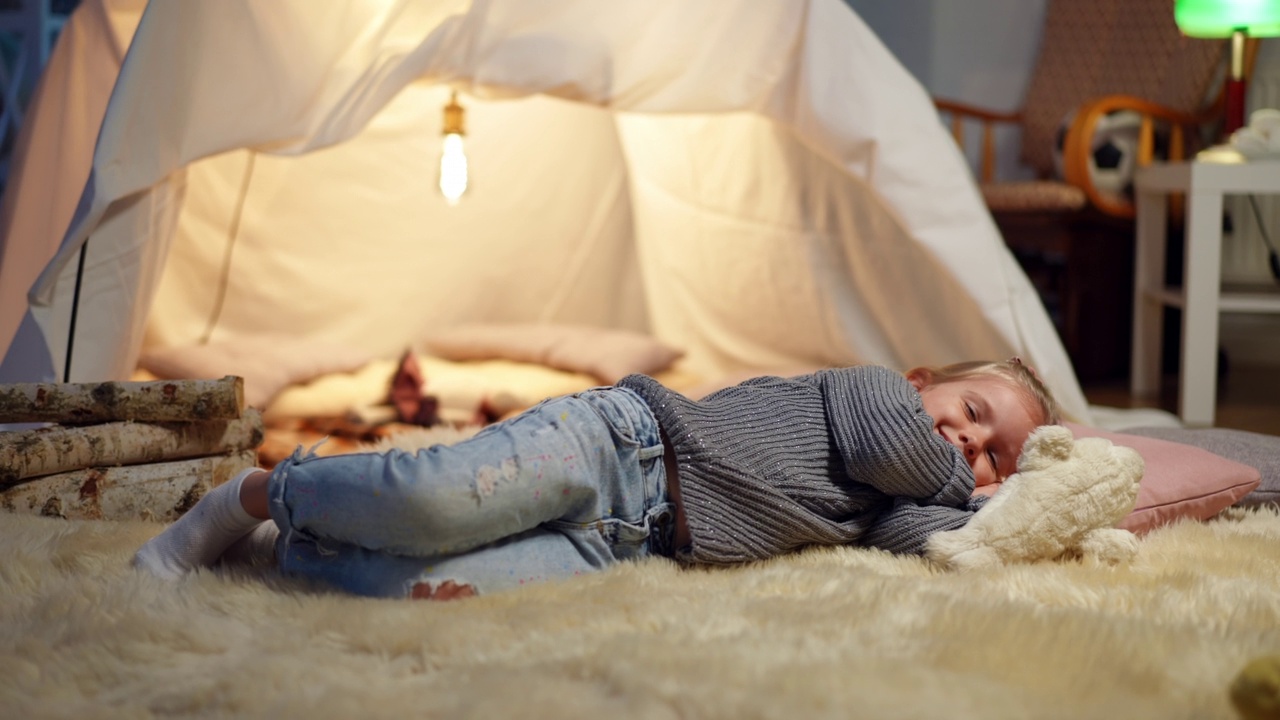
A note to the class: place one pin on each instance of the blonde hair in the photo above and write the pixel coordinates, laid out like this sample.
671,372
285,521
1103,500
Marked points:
1012,371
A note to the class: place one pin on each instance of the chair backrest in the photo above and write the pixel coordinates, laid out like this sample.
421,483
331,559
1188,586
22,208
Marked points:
1104,47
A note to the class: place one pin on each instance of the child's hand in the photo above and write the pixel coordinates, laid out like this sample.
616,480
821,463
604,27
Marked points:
987,490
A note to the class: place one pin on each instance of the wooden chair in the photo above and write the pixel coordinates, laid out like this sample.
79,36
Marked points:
1074,240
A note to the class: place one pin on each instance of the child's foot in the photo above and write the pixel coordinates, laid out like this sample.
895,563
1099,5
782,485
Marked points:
198,538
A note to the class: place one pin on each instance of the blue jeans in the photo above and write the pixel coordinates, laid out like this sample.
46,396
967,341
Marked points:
570,486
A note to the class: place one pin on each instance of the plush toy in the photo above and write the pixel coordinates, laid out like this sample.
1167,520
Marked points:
1064,500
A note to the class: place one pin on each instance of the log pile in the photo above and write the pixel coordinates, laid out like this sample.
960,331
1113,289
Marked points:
123,450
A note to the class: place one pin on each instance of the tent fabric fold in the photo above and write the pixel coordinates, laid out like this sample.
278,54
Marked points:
759,183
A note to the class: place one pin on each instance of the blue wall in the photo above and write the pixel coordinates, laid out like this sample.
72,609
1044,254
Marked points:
977,51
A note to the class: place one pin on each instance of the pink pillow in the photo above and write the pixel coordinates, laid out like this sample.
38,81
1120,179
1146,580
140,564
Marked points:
608,355
268,363
1180,481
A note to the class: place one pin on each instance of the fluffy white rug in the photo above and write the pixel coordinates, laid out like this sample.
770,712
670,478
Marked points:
828,633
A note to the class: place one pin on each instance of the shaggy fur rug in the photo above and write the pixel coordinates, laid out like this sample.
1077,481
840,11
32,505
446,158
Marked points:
836,633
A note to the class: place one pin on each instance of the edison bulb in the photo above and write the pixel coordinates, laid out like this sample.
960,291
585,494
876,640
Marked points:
453,169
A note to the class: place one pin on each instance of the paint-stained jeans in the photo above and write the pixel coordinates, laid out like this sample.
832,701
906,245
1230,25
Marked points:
570,486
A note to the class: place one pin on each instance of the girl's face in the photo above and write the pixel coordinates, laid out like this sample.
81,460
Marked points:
985,418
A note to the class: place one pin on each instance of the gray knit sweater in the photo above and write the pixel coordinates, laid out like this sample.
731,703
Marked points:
837,457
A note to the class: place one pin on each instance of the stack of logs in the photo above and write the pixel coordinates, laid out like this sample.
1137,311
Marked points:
123,450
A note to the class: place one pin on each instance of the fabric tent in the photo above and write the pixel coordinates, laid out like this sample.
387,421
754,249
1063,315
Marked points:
760,183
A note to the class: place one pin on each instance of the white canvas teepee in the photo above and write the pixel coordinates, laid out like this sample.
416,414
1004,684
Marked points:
757,182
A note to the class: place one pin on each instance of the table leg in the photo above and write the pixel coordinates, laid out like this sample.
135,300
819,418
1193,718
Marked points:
1201,284
1148,281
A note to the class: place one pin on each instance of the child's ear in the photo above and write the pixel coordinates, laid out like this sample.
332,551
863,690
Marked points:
919,378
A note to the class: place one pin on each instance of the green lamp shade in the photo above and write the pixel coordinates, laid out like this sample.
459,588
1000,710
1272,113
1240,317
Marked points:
1220,18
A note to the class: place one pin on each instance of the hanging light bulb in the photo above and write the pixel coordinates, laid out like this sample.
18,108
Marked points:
453,162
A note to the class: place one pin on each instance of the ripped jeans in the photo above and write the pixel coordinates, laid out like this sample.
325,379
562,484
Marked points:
570,486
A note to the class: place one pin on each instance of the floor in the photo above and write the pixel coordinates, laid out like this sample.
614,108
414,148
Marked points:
1248,398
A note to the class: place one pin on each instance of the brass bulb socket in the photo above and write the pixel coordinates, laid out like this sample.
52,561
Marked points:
454,117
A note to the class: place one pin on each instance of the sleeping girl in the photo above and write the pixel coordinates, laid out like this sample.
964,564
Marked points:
861,455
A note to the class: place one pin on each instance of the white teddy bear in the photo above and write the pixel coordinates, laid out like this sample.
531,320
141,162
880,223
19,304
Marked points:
1064,500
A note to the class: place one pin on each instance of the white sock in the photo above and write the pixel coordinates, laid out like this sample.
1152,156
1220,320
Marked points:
198,538
257,548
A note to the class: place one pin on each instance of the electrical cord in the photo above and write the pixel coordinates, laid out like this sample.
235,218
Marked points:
1273,256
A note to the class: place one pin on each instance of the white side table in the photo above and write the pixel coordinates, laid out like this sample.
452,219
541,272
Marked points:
1201,296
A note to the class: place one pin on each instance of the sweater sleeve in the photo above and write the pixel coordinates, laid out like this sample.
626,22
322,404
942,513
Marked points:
905,527
887,440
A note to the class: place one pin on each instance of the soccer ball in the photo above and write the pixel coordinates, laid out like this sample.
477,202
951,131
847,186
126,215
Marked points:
1113,152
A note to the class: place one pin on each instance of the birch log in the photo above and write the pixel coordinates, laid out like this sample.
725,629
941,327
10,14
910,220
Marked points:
151,401
61,448
157,491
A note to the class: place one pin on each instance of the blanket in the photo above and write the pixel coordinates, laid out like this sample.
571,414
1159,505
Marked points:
829,632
